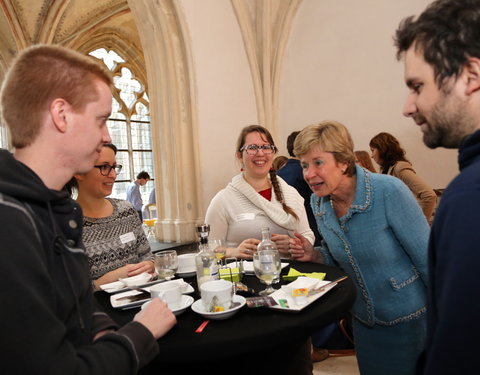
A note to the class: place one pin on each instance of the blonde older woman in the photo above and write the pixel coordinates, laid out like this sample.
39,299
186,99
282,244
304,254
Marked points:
256,198
373,228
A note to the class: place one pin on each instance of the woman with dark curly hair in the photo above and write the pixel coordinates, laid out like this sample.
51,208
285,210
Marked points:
390,156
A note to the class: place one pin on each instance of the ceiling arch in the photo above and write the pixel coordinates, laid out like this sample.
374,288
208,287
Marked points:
118,41
67,22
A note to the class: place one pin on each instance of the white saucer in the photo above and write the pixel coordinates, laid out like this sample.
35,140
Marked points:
185,287
184,304
200,309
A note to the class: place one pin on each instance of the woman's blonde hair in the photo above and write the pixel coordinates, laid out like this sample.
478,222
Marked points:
329,136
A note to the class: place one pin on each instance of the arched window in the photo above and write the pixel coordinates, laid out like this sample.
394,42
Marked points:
129,124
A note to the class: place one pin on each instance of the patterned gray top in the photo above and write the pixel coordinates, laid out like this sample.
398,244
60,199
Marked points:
115,240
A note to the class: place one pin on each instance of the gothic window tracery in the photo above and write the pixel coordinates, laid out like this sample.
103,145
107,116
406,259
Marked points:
129,125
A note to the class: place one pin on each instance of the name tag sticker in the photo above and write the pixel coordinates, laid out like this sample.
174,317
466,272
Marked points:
246,216
127,237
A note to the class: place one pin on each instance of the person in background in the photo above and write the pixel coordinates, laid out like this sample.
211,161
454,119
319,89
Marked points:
133,192
112,233
441,52
363,159
152,198
390,156
56,103
292,174
279,162
256,198
374,230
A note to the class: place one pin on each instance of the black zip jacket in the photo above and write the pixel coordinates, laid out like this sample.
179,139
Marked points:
47,315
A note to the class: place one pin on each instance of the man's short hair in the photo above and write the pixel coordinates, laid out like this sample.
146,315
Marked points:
39,75
291,142
143,176
447,33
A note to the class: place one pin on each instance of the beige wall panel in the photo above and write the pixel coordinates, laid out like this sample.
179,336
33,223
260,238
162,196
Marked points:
224,89
340,64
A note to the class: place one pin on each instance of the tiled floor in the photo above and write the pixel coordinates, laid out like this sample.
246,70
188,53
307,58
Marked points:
337,366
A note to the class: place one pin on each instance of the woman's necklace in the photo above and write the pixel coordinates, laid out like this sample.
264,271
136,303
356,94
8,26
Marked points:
341,208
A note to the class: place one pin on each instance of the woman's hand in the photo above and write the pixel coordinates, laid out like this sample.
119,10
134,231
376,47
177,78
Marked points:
138,268
112,276
125,271
302,250
245,250
284,243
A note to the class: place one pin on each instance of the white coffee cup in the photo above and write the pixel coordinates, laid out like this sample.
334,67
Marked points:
169,292
222,289
186,263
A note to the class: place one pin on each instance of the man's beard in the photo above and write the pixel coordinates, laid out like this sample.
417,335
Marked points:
449,123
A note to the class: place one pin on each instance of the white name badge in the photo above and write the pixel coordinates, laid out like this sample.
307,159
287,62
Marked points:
246,216
127,237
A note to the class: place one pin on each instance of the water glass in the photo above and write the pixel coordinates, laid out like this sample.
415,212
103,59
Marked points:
166,264
267,267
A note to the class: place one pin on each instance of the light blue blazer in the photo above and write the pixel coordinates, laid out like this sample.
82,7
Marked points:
381,243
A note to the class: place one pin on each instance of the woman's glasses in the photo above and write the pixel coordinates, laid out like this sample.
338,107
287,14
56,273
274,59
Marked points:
253,149
105,169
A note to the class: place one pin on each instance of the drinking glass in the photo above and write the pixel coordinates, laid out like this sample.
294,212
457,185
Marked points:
166,264
150,232
267,266
218,248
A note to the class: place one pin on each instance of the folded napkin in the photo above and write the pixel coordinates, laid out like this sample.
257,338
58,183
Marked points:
293,274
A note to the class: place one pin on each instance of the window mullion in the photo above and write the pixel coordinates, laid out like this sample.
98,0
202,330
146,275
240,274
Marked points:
130,149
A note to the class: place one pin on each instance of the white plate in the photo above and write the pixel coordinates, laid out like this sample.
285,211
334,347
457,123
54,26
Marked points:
111,287
187,273
127,304
118,286
200,309
248,266
301,282
184,304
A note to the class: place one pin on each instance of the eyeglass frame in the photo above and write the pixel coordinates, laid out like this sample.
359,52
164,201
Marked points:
116,167
255,147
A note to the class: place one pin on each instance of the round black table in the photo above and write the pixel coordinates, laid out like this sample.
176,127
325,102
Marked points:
253,334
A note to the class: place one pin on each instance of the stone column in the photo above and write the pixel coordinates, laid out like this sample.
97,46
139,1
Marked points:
174,121
265,27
